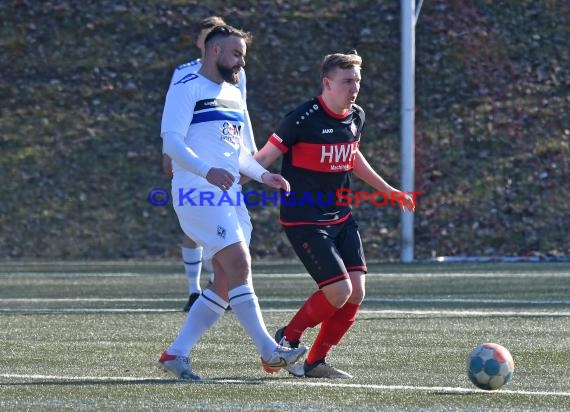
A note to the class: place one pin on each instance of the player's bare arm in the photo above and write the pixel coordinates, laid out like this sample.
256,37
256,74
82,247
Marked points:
276,181
268,154
167,165
364,171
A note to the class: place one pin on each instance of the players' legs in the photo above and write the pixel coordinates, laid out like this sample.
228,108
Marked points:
349,246
219,284
214,267
192,258
358,282
334,258
207,309
214,228
317,251
235,263
220,230
335,327
209,266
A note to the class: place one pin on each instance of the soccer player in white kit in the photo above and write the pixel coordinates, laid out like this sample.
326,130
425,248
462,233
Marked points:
201,130
190,251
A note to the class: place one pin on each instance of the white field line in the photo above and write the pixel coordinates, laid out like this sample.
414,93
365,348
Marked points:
283,299
301,382
73,274
109,300
387,312
85,310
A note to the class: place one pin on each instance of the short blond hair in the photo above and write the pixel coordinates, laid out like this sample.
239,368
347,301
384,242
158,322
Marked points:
341,61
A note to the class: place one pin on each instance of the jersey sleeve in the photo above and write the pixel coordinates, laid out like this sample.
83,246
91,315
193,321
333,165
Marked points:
286,133
178,109
248,138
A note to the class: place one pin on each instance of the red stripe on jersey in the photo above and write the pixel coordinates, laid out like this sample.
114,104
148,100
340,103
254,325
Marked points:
277,141
329,111
333,280
356,268
331,222
329,158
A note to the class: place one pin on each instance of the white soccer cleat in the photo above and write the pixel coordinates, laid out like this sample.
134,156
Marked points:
282,357
296,369
179,366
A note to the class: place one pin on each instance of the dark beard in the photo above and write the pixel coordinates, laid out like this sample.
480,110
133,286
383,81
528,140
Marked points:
228,74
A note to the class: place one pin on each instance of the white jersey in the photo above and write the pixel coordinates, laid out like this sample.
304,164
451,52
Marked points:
211,118
192,67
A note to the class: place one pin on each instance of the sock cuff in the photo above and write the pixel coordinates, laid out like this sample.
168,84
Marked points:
190,256
241,294
319,298
349,311
213,301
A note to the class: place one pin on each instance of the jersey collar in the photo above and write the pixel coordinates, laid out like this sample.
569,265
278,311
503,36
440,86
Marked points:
329,111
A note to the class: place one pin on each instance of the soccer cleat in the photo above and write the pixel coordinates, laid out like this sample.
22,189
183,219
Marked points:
295,369
280,339
191,299
321,369
282,357
178,366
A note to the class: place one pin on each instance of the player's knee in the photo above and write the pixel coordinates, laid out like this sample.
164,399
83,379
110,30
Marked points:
237,265
357,296
240,265
338,293
235,260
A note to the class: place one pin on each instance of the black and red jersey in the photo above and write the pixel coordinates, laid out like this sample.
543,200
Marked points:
318,148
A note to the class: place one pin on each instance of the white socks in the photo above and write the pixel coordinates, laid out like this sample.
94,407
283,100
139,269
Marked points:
207,309
246,307
192,259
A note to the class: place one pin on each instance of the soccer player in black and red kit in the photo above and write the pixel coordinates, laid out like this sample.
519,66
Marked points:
320,142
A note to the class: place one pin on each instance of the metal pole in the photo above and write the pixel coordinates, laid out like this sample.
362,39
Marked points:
408,19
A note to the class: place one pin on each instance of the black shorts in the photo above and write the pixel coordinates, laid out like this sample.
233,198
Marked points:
328,252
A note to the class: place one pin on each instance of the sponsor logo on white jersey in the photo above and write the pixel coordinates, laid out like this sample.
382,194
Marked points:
231,133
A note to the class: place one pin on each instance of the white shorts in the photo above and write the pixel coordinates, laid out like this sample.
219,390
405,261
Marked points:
214,227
